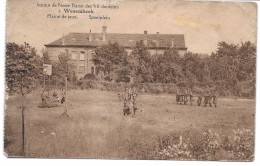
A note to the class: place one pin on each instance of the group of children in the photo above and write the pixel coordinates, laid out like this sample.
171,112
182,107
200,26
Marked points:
52,99
184,97
209,99
129,101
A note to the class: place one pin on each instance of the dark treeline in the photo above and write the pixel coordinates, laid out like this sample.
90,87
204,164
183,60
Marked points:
230,70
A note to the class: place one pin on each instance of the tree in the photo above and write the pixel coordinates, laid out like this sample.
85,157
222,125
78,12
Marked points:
45,57
192,68
123,72
63,68
109,58
22,74
22,68
247,61
232,64
167,67
140,63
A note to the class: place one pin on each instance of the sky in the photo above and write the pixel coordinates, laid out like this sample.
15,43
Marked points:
204,24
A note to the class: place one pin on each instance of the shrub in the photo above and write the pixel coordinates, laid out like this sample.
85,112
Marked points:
85,84
241,144
205,146
211,144
178,151
90,77
157,88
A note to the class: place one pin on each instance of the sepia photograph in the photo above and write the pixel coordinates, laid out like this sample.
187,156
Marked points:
130,80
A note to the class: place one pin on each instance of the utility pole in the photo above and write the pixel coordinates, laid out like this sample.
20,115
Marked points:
66,100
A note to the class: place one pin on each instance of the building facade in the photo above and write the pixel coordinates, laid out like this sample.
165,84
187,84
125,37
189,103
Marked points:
80,46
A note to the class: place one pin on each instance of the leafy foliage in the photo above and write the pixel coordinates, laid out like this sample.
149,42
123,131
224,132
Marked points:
109,59
140,63
241,144
63,68
178,151
167,67
23,68
230,70
222,71
45,57
205,147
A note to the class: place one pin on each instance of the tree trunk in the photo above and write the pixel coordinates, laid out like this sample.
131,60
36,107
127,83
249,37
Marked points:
23,127
23,132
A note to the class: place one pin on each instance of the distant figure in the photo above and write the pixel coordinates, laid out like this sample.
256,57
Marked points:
127,108
55,96
185,97
214,97
191,97
133,98
126,94
177,97
130,103
181,98
207,100
130,93
47,100
199,99
134,93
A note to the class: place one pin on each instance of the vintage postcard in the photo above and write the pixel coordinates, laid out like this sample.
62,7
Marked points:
157,80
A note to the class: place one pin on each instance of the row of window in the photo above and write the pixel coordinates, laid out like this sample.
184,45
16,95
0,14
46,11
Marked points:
81,55
82,69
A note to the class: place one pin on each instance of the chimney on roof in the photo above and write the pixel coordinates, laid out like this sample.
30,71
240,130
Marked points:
157,33
104,32
90,36
145,32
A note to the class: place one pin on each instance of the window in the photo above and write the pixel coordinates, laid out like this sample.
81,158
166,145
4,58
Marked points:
81,69
82,56
74,55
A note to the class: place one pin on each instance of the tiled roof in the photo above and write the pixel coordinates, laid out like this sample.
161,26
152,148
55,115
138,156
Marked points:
126,40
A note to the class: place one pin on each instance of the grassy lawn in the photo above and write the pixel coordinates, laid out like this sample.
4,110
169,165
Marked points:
99,129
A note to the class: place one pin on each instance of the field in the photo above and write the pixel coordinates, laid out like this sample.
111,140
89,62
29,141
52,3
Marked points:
98,128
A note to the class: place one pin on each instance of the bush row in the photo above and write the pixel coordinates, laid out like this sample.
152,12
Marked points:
195,145
243,89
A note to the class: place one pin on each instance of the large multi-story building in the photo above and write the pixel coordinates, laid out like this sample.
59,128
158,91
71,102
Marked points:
81,45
